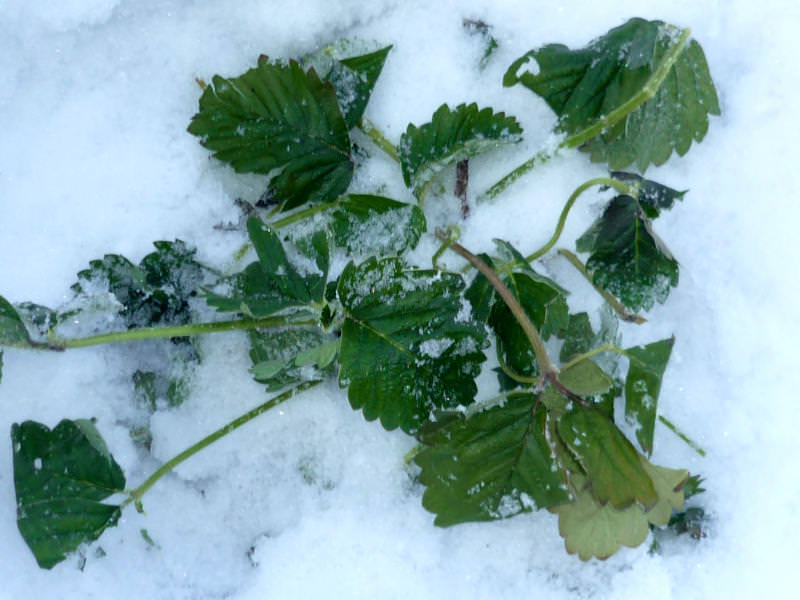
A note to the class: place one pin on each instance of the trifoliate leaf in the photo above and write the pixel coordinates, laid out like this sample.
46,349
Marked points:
273,283
594,530
491,465
61,477
585,378
653,197
451,136
669,485
12,329
376,224
278,116
610,461
627,258
642,386
290,356
584,85
409,343
353,79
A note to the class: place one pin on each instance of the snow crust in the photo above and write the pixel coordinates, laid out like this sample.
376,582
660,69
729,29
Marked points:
311,501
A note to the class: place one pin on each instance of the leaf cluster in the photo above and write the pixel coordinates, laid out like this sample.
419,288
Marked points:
408,343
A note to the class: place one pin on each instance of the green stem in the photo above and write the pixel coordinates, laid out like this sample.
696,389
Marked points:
547,368
599,350
516,376
136,494
562,219
368,127
623,312
304,214
172,331
647,92
689,442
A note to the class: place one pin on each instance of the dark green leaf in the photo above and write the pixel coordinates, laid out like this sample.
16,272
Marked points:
609,460
279,117
273,283
546,306
409,343
61,477
627,258
451,136
353,79
279,357
482,29
12,329
584,85
642,386
154,293
376,225
578,338
491,465
653,197
481,294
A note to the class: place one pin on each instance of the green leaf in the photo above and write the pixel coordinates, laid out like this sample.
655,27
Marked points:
61,476
653,197
609,460
451,136
409,343
585,378
578,338
545,304
284,357
627,258
155,292
594,530
278,116
376,225
12,329
353,79
584,85
491,465
273,283
642,386
669,484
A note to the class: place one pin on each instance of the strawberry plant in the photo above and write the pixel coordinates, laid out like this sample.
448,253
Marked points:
407,342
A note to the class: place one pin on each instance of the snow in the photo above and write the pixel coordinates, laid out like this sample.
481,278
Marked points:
310,500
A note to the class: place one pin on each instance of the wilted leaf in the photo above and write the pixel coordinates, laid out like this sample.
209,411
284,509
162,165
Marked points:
491,465
409,343
451,136
669,485
594,530
61,477
584,85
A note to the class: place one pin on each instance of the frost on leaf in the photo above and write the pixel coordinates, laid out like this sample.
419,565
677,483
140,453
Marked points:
392,316
587,84
451,136
61,477
273,283
278,117
643,385
490,465
12,329
627,258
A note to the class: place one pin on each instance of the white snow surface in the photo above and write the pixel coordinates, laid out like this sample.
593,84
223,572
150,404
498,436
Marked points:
310,500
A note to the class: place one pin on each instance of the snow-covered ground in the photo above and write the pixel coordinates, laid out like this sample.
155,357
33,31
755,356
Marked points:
312,501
